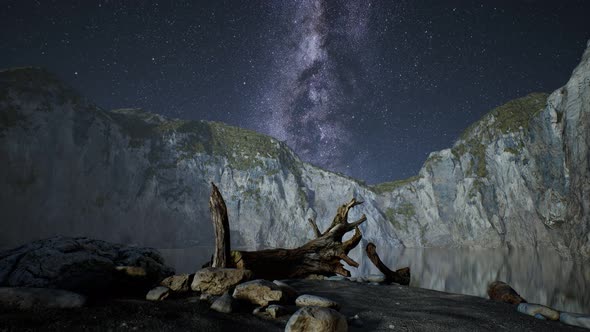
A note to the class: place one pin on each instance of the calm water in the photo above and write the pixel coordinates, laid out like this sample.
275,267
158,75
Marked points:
539,277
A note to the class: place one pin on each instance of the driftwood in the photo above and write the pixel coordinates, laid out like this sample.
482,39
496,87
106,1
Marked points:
401,276
320,256
502,292
221,256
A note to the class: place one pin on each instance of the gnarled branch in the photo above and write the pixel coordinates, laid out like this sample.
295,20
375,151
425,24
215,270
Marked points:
314,227
401,276
322,255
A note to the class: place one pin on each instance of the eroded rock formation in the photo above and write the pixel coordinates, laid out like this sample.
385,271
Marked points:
519,177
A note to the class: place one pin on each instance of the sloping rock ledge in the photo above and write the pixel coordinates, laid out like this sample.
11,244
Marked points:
82,265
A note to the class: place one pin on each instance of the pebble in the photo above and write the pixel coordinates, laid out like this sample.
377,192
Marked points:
355,321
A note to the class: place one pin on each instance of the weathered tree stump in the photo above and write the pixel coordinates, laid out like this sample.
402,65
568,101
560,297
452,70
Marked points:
502,292
321,255
401,276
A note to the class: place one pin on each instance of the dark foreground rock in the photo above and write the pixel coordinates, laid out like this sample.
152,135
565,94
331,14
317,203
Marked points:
82,265
24,298
377,308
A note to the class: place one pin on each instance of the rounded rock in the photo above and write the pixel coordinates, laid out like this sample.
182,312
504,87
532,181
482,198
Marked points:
317,319
260,292
180,283
535,309
217,281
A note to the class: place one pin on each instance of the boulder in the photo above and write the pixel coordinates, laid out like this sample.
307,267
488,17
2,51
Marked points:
259,292
217,281
534,309
275,310
82,265
178,283
580,320
316,301
224,303
28,298
317,319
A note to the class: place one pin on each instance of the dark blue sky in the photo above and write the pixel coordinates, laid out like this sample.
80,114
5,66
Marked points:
367,88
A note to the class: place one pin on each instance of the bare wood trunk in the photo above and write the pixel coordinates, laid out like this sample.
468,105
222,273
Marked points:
322,255
221,256
401,276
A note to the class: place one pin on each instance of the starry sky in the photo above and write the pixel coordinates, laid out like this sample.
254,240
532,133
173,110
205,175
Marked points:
366,88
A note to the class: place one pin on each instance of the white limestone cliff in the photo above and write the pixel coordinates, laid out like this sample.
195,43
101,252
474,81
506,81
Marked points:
519,177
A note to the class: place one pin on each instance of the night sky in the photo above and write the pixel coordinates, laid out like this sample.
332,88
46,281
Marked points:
366,88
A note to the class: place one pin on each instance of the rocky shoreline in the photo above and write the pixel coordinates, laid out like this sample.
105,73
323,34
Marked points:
65,283
367,307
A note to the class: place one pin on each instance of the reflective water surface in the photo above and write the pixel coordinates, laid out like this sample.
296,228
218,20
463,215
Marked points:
539,277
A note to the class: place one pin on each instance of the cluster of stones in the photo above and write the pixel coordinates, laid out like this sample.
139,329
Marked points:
230,290
62,272
502,292
546,313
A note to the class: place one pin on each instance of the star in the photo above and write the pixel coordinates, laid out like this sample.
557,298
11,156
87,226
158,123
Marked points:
365,88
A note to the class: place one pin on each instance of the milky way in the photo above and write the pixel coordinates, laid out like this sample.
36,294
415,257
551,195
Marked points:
309,92
366,88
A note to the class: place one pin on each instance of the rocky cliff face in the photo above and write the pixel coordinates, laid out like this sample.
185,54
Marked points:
519,177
